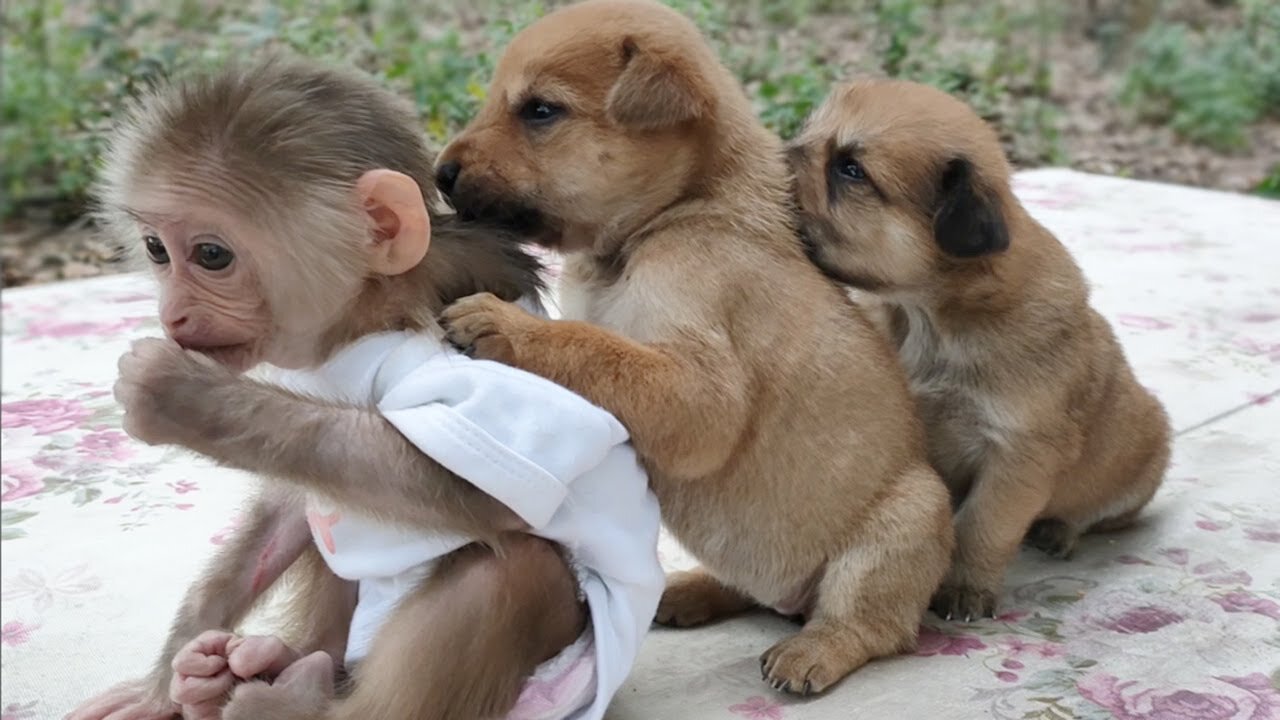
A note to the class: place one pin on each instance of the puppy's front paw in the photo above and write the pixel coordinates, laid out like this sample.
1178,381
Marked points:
486,327
808,663
1055,538
963,602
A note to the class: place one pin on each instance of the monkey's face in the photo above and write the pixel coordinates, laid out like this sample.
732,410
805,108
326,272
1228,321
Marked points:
589,125
226,292
896,183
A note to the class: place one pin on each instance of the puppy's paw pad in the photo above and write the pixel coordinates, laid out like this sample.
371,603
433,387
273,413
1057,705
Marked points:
964,603
802,665
1055,538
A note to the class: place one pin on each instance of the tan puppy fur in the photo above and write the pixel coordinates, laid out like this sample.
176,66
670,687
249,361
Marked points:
1034,417
777,429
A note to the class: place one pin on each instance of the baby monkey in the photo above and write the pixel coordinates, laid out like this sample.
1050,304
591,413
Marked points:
466,541
1034,417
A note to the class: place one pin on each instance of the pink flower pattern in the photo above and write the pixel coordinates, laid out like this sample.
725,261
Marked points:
931,642
15,633
1252,697
757,707
45,415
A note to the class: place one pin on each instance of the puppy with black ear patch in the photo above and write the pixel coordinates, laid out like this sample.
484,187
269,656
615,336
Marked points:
1034,417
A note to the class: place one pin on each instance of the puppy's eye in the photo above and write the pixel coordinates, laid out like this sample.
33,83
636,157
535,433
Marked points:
156,250
851,169
540,112
212,256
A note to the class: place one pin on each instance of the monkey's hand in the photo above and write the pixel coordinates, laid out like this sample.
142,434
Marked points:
135,700
201,675
488,328
160,386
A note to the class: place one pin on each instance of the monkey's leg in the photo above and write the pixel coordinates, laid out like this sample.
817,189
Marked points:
871,598
271,538
1010,492
461,646
695,597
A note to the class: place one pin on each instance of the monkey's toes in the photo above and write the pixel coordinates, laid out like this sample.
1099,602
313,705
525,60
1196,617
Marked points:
804,665
258,700
961,602
1053,537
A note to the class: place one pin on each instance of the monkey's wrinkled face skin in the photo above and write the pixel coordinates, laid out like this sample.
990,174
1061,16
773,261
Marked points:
212,295
884,176
551,154
210,298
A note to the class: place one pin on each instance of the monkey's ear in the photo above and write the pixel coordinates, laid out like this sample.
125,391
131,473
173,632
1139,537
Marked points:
400,226
655,92
967,221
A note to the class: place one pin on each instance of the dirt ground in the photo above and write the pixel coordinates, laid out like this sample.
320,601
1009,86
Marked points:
1097,135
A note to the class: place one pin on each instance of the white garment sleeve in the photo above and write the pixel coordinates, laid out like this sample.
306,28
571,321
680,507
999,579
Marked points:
518,437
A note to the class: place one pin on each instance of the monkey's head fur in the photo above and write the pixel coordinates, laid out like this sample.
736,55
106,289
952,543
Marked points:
284,208
900,185
600,115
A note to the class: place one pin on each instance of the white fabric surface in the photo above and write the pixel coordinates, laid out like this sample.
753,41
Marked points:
1177,619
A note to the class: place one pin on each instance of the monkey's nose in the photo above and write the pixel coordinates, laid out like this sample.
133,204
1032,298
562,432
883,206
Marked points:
447,176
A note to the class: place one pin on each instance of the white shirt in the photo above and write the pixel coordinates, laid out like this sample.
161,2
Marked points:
561,463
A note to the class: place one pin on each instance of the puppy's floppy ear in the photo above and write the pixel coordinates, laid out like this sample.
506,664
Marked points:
655,92
967,221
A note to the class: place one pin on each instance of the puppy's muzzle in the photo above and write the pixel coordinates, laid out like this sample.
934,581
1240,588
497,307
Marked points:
474,200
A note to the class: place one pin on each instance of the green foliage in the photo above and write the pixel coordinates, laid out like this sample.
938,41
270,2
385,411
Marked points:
1209,87
69,65
1270,185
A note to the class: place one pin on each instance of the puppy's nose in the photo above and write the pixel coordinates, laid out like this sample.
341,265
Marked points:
447,176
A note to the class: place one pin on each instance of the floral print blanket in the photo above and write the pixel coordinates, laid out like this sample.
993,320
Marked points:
1176,619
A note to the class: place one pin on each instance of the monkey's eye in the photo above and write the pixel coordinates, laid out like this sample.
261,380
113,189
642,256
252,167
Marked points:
155,250
211,256
851,169
537,111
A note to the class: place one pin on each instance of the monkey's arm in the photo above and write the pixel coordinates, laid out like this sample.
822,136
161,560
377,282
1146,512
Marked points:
352,455
657,391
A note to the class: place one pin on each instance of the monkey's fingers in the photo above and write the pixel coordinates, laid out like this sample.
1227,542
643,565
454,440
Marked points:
196,664
261,655
203,711
205,655
192,690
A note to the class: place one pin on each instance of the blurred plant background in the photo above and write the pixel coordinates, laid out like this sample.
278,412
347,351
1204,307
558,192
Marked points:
1184,91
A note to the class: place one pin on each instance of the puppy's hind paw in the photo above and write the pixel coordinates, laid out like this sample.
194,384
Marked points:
1053,537
959,602
695,598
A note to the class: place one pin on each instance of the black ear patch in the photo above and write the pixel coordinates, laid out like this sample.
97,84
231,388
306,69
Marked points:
967,223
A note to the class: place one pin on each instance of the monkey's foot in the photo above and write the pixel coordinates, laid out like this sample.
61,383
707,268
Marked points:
302,692
957,601
1053,537
812,660
695,598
